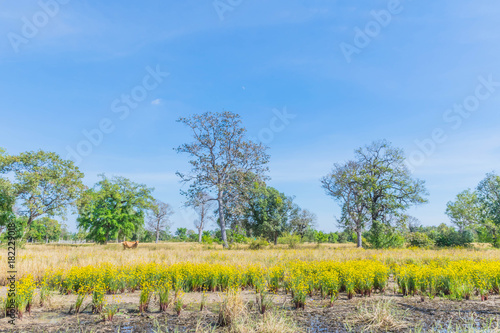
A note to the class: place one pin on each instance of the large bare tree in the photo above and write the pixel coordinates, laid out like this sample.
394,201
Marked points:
159,217
220,156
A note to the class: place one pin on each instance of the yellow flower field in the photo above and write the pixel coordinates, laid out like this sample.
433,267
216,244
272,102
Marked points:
310,271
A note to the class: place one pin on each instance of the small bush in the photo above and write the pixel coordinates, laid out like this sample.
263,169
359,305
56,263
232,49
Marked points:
452,238
206,239
291,240
258,244
419,239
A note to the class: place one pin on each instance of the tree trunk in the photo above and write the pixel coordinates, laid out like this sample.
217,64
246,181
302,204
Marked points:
157,233
222,222
275,238
28,224
200,231
360,240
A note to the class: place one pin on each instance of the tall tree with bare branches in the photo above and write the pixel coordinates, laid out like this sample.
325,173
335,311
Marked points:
159,218
375,188
220,156
203,205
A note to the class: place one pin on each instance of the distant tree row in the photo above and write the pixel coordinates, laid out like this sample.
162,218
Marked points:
227,186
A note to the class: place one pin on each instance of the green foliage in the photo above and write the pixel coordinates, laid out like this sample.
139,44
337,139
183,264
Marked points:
207,239
344,237
383,236
333,237
465,211
181,234
7,201
449,237
372,189
419,239
44,183
301,220
20,224
489,198
44,229
477,211
292,240
113,206
236,236
321,237
258,244
269,211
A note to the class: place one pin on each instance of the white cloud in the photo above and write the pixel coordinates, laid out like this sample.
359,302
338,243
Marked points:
156,101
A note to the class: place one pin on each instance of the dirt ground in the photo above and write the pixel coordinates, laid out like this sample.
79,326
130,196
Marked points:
318,316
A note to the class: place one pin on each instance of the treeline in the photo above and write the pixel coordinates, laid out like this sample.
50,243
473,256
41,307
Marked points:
227,186
214,237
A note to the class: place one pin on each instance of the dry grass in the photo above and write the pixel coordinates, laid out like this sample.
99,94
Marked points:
232,309
235,317
270,322
377,316
37,259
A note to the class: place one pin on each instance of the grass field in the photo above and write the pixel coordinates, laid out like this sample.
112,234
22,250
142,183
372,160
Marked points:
373,289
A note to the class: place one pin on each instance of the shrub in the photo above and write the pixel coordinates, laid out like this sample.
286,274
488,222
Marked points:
321,237
333,237
419,239
451,238
207,239
292,240
258,244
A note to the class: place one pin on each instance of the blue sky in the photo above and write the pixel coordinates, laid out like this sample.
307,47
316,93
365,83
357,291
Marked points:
66,65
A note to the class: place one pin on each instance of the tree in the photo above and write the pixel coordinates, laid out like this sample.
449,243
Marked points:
7,201
321,237
181,234
158,218
65,234
465,211
220,157
390,188
269,212
488,192
44,229
346,184
375,189
301,220
44,183
203,205
113,205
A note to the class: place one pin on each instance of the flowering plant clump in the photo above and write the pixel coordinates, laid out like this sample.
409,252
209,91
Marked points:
24,295
441,277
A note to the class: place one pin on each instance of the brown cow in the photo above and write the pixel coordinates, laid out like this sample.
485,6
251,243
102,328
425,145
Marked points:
130,245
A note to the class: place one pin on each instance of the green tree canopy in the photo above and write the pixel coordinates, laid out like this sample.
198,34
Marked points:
44,229
301,220
465,211
269,212
376,188
44,183
112,206
488,192
7,201
347,185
